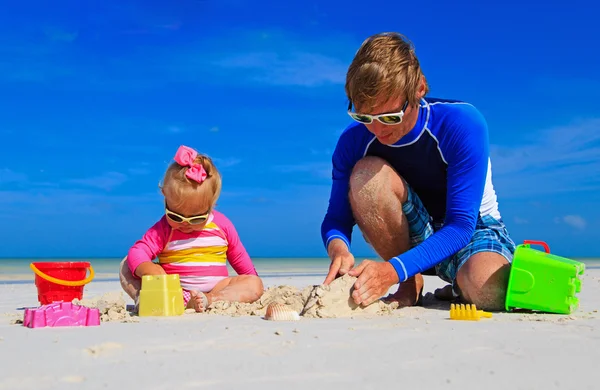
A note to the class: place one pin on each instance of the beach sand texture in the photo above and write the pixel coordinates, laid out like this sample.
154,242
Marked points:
333,345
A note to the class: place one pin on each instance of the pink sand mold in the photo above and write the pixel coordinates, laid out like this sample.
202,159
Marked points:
61,314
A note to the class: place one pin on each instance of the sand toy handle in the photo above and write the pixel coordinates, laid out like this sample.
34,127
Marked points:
70,283
542,243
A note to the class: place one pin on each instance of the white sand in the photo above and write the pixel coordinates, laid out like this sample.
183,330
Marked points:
412,348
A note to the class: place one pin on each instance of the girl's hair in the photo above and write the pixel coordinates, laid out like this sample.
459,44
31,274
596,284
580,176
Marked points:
180,187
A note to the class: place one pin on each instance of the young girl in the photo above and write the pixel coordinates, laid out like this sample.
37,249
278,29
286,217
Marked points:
193,240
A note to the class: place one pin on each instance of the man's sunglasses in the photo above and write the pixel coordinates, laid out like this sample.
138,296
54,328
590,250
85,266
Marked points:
195,220
393,118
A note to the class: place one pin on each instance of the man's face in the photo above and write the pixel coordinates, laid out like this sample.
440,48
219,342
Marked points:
389,134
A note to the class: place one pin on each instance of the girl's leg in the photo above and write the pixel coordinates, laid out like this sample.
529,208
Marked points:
130,284
241,288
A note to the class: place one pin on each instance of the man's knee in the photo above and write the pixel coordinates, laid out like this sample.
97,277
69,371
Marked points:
371,177
372,164
483,280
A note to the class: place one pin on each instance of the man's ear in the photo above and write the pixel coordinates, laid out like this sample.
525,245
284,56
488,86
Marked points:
422,89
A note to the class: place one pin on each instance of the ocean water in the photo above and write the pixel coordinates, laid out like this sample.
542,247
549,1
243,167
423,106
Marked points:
106,269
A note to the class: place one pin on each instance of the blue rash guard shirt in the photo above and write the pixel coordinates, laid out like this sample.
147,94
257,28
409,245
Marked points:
445,160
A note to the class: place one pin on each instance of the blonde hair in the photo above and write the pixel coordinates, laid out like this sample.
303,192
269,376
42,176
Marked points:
180,187
384,67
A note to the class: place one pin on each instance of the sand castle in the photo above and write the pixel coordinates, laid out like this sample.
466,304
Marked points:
316,301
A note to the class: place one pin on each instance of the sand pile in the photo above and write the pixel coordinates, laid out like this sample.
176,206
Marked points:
112,307
335,300
318,301
287,295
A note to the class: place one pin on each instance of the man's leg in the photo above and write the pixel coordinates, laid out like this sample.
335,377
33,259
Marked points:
480,270
483,280
376,195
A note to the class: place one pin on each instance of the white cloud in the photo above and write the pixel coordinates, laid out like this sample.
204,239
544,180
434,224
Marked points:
521,221
106,181
297,68
214,129
60,34
265,57
568,88
576,221
138,171
318,169
306,195
321,152
560,159
226,162
53,201
40,198
175,129
9,176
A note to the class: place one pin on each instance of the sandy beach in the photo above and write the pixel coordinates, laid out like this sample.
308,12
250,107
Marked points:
417,347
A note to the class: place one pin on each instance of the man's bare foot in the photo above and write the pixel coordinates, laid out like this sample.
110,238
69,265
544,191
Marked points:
445,293
198,301
410,293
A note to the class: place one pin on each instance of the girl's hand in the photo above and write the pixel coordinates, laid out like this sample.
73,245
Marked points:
149,268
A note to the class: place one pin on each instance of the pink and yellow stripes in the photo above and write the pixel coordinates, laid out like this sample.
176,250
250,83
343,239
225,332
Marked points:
200,258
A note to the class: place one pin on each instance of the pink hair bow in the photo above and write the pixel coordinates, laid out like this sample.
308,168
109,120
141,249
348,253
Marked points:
185,156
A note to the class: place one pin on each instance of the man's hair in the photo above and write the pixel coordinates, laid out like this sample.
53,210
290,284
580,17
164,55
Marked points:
385,66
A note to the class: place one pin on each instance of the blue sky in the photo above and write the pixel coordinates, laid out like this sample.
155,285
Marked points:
97,96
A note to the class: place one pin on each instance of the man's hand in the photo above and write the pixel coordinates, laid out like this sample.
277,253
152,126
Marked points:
374,280
342,260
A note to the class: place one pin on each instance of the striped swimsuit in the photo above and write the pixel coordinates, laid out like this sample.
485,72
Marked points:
200,258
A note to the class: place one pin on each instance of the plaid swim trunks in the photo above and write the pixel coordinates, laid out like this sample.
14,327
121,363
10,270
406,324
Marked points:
490,236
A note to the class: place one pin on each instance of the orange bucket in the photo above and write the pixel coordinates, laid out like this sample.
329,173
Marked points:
61,281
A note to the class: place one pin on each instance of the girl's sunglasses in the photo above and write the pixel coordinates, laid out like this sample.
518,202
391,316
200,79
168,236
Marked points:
393,118
195,220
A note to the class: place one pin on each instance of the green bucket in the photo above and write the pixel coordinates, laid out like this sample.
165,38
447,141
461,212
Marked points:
542,281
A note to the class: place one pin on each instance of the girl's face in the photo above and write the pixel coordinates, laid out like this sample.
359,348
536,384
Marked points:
189,216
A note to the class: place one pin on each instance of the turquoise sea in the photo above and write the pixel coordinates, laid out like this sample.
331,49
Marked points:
106,269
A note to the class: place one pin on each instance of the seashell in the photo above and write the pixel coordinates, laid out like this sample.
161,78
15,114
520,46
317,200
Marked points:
278,312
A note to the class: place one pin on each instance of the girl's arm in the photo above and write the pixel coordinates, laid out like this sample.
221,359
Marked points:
236,253
149,268
141,254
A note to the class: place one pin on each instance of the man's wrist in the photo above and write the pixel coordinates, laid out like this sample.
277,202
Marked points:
399,269
394,275
336,239
337,247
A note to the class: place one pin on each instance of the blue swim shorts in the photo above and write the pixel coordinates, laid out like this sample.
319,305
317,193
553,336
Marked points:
490,236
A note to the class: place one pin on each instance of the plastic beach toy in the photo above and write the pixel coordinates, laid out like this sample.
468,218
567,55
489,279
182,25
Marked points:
61,281
542,281
467,312
161,295
61,314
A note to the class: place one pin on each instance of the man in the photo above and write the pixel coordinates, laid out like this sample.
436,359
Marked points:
414,174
